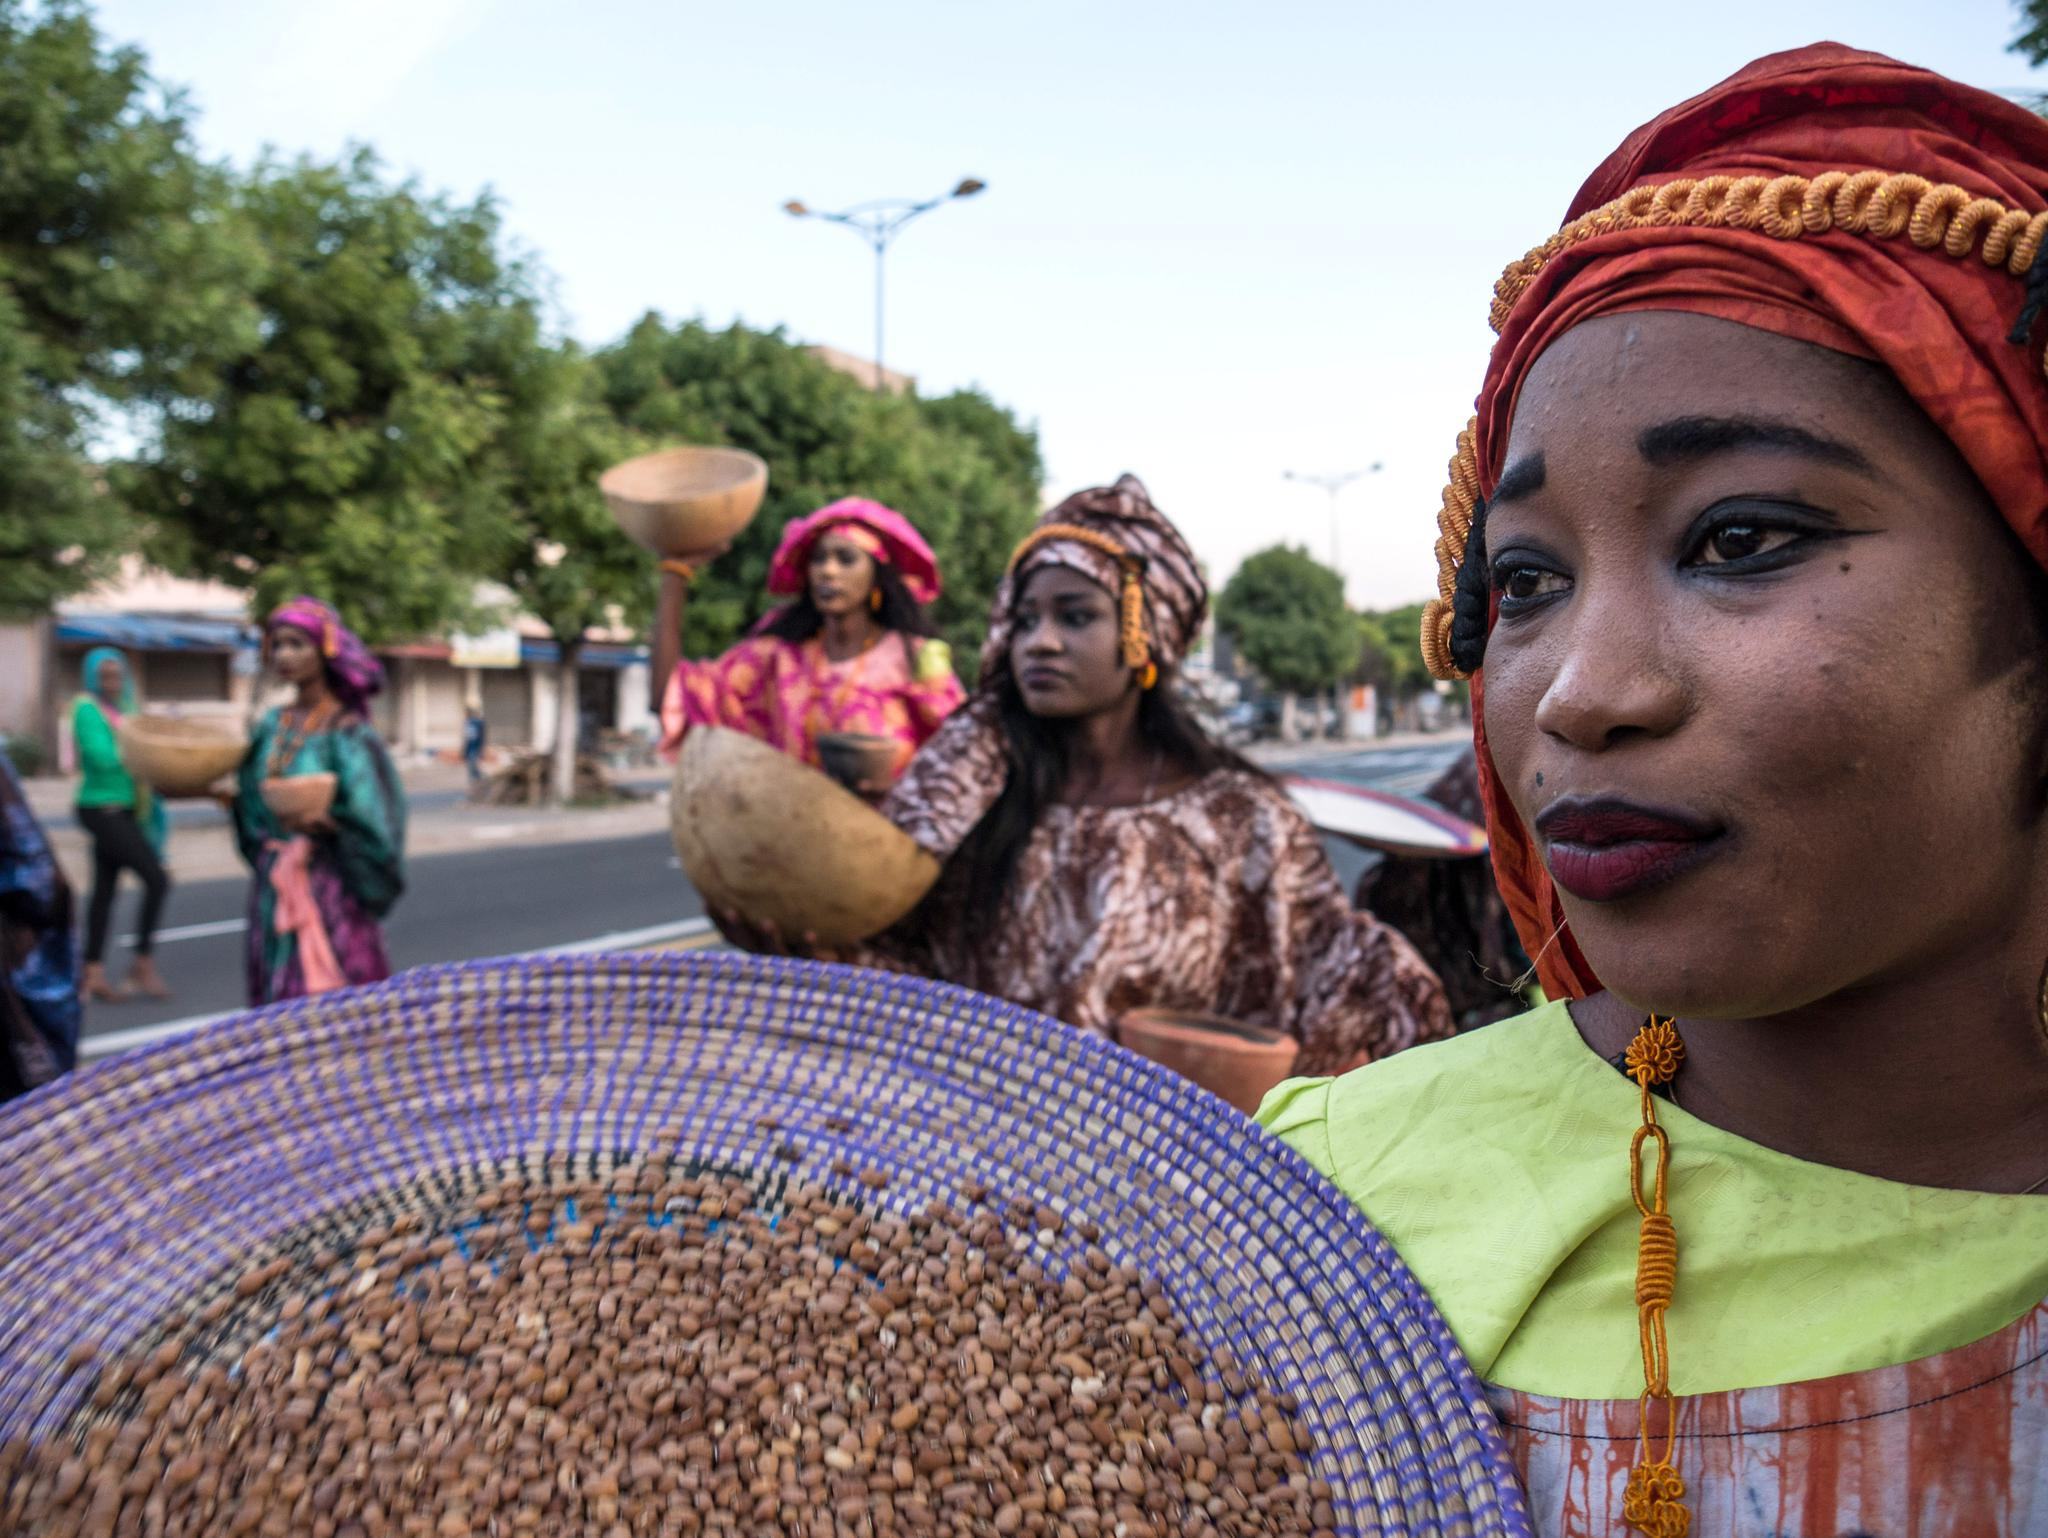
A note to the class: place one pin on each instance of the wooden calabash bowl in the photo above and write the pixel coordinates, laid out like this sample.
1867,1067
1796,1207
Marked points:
677,501
180,758
1233,1061
780,843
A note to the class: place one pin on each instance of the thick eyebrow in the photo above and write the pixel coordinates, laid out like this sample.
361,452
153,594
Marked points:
1683,440
1521,479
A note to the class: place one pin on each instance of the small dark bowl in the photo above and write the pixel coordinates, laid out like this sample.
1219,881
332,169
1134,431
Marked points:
854,758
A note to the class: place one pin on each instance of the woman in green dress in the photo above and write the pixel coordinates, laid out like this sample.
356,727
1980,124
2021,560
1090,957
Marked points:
323,883
125,822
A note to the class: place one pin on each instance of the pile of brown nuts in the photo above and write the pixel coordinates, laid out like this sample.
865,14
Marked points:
687,1363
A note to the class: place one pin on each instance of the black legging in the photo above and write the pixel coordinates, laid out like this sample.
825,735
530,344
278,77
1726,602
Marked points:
118,844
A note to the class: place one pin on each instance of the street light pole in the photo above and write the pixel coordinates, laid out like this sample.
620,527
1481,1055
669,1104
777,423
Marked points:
878,223
1333,484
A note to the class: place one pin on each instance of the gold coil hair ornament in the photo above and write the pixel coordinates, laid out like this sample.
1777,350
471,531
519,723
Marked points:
1654,1503
1880,204
1137,645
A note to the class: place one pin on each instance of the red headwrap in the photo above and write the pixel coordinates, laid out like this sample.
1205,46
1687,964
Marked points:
1899,267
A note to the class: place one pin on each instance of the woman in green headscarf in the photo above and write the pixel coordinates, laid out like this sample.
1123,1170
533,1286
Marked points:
126,823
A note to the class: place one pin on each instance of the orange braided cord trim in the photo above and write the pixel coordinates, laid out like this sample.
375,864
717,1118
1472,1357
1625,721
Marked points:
1137,647
1654,1503
1881,204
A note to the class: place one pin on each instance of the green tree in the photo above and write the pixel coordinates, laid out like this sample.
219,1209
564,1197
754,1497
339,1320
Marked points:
2032,43
1389,653
118,280
561,556
959,467
347,448
1286,612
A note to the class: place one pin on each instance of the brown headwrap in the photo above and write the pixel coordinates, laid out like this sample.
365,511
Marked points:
1117,539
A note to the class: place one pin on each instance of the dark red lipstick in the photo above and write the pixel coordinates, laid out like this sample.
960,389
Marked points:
1602,849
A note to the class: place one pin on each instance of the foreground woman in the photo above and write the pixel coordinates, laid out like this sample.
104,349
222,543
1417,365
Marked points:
1763,726
1101,854
322,885
126,824
851,651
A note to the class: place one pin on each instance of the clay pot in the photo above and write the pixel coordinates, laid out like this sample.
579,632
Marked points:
678,501
1232,1061
298,796
779,843
180,758
853,758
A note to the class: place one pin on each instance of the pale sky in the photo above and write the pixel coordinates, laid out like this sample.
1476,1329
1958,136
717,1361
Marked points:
1220,241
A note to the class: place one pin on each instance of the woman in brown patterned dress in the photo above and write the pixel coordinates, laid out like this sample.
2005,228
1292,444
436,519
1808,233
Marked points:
1101,853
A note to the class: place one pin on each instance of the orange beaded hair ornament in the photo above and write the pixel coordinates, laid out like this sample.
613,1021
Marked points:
1137,645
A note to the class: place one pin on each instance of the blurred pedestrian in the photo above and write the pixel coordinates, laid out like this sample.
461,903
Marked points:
473,734
39,1011
323,882
125,821
852,650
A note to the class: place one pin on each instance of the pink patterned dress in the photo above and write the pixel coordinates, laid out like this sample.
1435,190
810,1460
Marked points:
789,694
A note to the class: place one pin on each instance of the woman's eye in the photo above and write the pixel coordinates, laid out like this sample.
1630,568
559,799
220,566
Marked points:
1522,584
1733,542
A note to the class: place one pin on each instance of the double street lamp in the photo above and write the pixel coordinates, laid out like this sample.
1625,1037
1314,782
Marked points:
878,223
1333,484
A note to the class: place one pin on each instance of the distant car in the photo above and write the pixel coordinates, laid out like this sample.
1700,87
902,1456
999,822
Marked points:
1258,720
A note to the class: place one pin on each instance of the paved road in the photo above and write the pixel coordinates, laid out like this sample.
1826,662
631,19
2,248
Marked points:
500,900
457,906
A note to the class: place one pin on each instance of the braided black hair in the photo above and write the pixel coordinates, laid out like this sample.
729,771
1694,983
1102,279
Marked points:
1472,598
2037,295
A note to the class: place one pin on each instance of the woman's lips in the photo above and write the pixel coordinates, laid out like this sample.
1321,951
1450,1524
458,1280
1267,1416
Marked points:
1605,849
1040,678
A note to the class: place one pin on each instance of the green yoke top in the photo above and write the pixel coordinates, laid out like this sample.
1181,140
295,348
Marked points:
1497,1164
367,845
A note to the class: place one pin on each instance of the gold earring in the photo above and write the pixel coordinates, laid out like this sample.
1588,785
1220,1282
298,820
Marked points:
1148,675
875,599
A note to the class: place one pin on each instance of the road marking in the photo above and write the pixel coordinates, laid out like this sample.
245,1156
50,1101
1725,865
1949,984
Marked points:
629,939
193,931
110,1042
107,1043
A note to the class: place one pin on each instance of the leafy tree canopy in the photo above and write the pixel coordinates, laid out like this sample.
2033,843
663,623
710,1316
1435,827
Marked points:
1286,611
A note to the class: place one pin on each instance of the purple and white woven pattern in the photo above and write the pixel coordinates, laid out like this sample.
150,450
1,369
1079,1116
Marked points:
144,1182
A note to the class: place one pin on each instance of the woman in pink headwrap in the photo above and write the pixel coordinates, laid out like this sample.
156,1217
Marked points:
850,652
323,883
1101,853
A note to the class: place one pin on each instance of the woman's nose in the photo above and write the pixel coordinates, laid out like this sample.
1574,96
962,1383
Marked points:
1615,678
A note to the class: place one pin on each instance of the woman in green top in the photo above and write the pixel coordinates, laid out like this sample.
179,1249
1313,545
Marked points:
126,823
1746,556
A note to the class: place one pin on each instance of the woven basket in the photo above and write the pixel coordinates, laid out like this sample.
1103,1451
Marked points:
150,1182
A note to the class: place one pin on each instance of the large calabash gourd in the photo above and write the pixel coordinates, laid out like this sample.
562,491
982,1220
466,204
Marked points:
781,844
